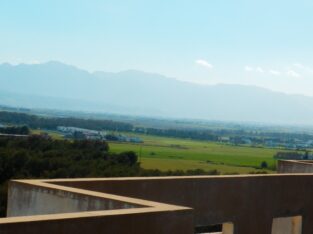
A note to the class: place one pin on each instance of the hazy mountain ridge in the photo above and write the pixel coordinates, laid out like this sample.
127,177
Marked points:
56,85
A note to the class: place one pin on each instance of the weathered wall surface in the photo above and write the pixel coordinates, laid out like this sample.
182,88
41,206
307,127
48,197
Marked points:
24,200
293,166
250,202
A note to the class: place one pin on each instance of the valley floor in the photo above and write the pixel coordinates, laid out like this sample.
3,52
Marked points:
165,153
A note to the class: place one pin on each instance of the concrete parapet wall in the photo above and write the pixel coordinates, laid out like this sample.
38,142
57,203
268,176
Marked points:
250,202
258,204
25,199
149,222
294,166
37,207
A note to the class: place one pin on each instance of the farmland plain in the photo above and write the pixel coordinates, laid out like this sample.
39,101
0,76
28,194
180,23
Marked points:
166,153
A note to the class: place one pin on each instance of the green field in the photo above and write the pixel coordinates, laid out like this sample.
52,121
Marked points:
179,154
166,153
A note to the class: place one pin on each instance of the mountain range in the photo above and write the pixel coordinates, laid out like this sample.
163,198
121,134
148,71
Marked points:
56,85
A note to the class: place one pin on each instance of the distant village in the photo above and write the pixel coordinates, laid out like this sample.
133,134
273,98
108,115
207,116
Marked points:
290,144
81,133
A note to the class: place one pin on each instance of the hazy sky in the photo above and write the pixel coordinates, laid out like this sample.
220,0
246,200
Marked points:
265,43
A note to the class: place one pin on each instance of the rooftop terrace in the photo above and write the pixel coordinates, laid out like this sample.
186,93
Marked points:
258,204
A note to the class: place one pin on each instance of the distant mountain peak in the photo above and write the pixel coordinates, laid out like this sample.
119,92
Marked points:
149,94
6,64
55,62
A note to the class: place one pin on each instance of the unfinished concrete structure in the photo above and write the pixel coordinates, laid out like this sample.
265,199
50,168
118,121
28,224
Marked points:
250,204
295,166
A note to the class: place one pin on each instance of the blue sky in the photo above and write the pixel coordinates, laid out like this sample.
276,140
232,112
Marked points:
263,43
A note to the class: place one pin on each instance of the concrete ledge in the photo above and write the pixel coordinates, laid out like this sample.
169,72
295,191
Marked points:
44,207
158,205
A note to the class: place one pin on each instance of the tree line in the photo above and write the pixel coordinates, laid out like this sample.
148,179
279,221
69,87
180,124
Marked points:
16,130
38,157
52,123
293,155
181,133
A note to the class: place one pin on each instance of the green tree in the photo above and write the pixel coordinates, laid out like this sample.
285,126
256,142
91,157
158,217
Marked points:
264,165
